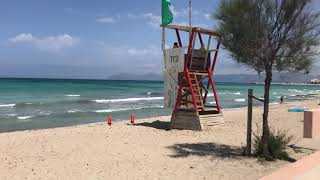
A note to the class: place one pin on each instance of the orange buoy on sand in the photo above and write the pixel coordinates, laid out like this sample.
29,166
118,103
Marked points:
109,119
132,118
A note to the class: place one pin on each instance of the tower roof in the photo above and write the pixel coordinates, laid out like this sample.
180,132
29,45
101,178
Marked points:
189,29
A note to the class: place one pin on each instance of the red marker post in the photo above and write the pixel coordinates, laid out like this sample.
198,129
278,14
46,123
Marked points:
132,118
109,119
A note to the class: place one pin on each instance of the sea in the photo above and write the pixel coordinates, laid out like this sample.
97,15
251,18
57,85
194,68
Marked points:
48,103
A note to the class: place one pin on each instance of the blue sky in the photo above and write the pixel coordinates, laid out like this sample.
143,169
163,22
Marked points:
91,39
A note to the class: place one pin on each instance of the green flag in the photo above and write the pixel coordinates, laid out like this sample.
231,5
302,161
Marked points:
167,16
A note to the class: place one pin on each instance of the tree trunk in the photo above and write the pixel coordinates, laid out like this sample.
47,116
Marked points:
265,126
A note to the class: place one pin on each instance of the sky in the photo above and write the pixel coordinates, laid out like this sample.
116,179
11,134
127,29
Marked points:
93,39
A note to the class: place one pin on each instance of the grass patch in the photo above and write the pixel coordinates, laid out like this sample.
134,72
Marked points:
277,145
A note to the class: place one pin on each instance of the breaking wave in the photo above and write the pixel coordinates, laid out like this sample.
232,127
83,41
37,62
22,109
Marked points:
240,100
73,95
7,105
127,99
25,117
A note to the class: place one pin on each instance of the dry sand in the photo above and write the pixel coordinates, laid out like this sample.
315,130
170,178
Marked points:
145,151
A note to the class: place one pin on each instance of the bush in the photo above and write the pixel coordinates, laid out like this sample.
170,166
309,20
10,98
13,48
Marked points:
277,144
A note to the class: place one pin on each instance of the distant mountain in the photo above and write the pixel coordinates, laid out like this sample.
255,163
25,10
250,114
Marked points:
94,72
146,77
52,71
239,78
277,78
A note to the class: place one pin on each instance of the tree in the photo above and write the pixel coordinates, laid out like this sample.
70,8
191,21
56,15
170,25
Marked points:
269,36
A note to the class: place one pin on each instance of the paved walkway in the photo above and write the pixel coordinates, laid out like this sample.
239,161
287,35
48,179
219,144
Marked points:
307,168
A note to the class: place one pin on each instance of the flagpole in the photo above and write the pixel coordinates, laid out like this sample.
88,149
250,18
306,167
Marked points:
190,12
163,31
163,38
189,18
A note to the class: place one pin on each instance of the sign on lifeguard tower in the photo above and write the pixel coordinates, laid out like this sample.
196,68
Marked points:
173,64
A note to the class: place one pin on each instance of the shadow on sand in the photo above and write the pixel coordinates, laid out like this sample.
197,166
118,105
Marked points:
155,124
212,150
299,149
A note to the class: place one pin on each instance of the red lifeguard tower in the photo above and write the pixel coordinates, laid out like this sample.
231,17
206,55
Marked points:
191,71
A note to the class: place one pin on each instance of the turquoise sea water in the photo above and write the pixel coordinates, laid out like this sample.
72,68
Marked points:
41,103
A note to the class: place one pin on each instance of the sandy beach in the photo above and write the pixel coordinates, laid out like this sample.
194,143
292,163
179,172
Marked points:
146,150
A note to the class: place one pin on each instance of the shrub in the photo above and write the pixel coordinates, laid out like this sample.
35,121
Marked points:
277,144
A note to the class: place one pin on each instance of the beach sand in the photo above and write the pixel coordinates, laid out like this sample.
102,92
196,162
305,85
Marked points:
146,150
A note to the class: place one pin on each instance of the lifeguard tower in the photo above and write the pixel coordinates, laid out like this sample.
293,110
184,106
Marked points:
188,78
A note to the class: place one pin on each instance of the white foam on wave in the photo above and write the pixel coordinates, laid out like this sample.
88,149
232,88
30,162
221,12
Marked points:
115,110
125,109
11,115
7,105
240,100
25,117
226,92
314,92
210,95
221,93
211,102
295,90
45,113
304,92
111,110
127,100
74,111
309,98
73,95
157,107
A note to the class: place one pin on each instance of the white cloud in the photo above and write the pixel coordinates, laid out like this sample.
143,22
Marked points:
180,17
140,59
50,43
182,13
107,20
143,51
133,16
199,18
207,16
151,19
132,51
23,37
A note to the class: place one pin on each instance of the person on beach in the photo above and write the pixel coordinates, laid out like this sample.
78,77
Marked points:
175,45
281,99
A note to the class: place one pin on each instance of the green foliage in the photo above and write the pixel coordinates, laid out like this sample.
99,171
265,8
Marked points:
277,144
270,34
